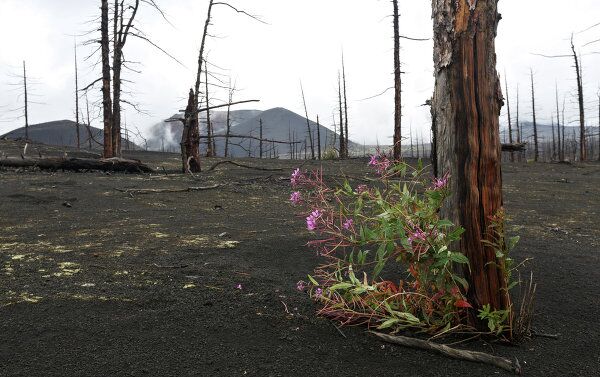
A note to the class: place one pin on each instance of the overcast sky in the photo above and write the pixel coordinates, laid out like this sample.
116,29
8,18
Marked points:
303,40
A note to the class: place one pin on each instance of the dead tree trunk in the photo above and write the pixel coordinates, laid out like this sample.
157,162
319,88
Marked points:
106,99
347,141
598,126
312,145
318,138
190,137
343,145
510,134
582,150
397,86
536,151
89,126
228,121
467,102
26,102
210,142
553,141
561,156
260,133
77,100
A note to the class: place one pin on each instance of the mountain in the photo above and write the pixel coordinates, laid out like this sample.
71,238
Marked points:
278,125
544,132
59,132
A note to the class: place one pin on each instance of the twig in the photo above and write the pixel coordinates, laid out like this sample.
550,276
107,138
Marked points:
214,166
163,191
159,266
544,335
478,357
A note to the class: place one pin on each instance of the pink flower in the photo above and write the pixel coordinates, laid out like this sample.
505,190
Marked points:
301,286
311,220
348,224
239,286
296,197
296,177
440,183
318,292
374,160
417,234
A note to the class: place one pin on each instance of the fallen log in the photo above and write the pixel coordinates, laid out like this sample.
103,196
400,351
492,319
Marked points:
478,357
514,147
167,190
214,166
77,164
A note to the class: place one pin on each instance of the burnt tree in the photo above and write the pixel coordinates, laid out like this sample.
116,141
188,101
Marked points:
536,150
467,101
308,130
190,137
343,146
77,100
397,86
582,150
106,98
346,142
510,133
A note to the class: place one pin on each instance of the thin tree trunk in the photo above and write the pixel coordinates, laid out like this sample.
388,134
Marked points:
261,138
312,145
561,156
228,124
318,138
536,155
342,137
553,140
210,142
89,126
347,141
397,86
510,134
598,126
467,102
106,99
116,67
77,100
26,102
334,132
582,150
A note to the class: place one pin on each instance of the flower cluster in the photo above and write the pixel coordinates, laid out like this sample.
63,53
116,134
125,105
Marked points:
311,220
360,229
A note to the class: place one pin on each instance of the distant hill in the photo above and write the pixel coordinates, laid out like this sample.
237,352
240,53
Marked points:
544,132
63,133
278,124
59,132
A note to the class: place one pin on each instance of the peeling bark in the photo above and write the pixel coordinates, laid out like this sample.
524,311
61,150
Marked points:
466,110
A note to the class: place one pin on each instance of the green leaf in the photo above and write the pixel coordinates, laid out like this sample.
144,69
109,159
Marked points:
459,258
461,281
455,234
313,281
445,223
408,317
341,286
389,323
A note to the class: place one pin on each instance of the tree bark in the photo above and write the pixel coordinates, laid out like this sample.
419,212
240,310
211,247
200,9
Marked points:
190,138
106,99
467,102
318,138
397,86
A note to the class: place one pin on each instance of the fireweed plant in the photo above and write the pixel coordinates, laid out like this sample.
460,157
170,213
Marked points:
393,229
